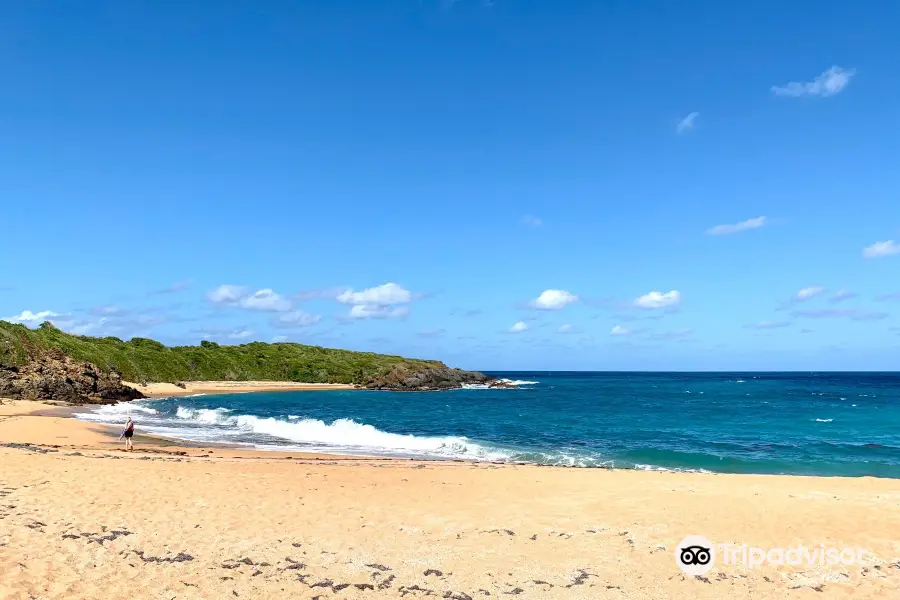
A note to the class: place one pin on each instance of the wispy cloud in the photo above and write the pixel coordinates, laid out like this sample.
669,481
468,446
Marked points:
178,286
657,299
466,312
841,295
567,328
107,310
432,333
367,311
296,318
768,325
619,330
518,327
532,221
888,296
835,313
672,336
687,123
240,334
319,294
754,223
553,300
808,293
881,249
828,83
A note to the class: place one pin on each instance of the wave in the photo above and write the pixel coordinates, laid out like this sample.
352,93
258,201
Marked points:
509,382
123,409
213,416
824,420
341,434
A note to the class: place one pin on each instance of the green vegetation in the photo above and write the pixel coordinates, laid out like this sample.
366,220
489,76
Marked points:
142,360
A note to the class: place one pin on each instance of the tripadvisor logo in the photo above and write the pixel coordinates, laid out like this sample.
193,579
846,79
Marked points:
695,555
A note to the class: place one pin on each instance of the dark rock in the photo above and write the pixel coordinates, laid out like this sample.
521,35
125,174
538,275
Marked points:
55,376
402,378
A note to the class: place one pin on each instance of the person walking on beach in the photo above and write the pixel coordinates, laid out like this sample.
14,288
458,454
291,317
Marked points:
128,433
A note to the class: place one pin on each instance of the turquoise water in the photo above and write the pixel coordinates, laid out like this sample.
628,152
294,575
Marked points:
811,423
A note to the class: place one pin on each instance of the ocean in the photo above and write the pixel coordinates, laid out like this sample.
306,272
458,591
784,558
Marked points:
831,424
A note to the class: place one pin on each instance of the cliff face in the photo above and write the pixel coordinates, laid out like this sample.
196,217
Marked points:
55,376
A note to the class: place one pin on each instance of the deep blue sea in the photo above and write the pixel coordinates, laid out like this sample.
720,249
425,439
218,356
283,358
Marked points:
794,423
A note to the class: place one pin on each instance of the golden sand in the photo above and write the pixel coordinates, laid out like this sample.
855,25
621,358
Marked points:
80,518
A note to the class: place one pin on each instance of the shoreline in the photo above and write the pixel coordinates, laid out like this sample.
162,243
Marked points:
166,390
226,388
237,522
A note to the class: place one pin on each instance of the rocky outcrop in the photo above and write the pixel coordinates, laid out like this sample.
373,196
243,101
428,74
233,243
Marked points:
55,376
399,378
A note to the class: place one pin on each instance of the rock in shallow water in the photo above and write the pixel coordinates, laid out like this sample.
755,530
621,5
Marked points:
400,378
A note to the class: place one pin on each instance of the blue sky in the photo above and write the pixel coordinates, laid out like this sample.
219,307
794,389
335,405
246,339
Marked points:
501,185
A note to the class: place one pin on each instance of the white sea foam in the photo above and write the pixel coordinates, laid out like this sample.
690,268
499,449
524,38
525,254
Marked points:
341,434
508,382
641,467
824,420
213,416
115,412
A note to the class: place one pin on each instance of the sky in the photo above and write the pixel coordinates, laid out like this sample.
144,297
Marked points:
505,184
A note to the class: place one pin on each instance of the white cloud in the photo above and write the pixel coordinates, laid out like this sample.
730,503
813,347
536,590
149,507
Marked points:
296,318
554,300
656,299
265,300
532,221
366,311
565,329
808,293
519,327
227,294
754,223
687,123
237,295
619,330
278,339
240,334
880,249
26,316
828,83
382,295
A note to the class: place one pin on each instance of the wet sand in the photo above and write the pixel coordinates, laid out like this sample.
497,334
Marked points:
80,518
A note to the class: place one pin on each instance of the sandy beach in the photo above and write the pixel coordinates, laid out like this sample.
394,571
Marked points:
80,518
164,390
